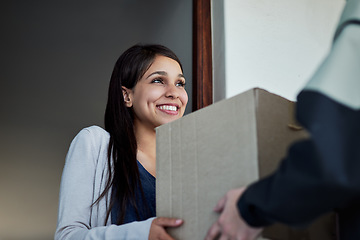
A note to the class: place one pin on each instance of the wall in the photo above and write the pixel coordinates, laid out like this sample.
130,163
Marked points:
56,60
275,45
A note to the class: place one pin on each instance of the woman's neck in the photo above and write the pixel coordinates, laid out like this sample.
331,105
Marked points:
146,145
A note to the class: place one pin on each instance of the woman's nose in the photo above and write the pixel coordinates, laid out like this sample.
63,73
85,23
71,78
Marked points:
172,91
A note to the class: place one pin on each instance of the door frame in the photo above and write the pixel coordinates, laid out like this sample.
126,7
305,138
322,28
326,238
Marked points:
202,54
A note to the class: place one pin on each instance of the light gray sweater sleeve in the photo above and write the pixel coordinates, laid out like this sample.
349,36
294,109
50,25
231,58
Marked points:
83,179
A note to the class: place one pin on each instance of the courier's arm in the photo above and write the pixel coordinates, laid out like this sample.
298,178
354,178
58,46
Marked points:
318,174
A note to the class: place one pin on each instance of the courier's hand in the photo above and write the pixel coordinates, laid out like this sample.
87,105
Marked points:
229,224
158,225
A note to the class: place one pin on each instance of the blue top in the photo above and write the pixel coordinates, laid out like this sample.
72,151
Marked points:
146,208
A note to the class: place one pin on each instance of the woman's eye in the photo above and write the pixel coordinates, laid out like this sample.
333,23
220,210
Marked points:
180,84
157,80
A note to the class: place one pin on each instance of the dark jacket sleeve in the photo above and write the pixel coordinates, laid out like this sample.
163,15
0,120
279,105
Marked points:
318,175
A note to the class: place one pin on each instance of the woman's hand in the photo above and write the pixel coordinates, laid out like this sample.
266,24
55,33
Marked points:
158,225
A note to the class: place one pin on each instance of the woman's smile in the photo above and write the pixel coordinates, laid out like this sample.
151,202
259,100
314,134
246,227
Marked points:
171,109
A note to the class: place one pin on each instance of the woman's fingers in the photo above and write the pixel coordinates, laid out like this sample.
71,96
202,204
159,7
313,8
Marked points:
168,222
157,229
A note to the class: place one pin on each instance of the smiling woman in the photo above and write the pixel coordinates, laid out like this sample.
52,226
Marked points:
159,96
108,184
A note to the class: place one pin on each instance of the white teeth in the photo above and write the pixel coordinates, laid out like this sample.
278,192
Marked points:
167,107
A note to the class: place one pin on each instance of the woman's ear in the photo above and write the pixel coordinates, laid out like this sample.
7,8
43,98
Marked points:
127,93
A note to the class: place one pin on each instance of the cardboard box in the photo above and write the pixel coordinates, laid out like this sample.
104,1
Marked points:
223,146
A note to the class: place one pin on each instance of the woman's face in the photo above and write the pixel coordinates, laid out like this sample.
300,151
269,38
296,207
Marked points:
159,96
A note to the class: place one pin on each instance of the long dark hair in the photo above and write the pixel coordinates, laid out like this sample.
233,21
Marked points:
119,119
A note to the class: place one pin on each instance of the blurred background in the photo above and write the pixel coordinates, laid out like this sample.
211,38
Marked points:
56,60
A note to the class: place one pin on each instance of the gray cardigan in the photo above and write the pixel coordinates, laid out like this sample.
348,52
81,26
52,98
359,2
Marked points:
83,180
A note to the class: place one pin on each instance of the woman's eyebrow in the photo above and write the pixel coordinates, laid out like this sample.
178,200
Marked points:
163,73
181,75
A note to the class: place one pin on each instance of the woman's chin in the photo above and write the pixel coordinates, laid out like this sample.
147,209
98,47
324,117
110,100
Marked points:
168,121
